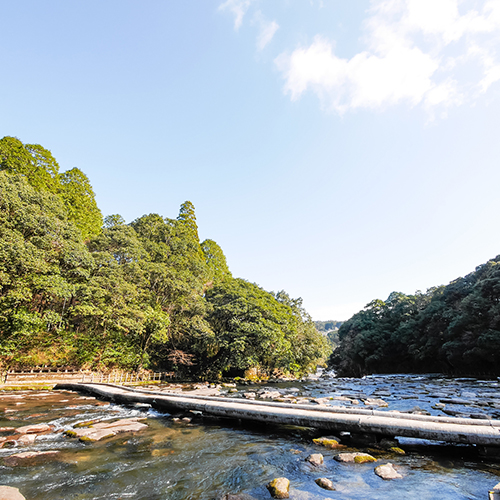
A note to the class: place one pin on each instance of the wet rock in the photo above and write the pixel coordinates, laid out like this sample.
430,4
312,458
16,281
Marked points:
327,441
103,430
270,395
356,457
320,401
295,452
315,459
324,483
9,493
397,450
494,494
237,496
279,487
8,443
26,439
387,472
34,429
249,395
187,420
28,458
375,402
386,443
454,401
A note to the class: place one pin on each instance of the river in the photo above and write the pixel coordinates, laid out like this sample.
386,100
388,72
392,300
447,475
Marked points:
205,459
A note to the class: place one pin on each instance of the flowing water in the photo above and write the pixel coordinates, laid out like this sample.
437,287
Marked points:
205,459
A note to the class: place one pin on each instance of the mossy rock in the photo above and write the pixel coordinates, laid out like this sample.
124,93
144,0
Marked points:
326,442
363,459
397,450
70,433
88,423
88,439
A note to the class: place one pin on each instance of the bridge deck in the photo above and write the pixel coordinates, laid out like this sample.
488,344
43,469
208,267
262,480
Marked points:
385,423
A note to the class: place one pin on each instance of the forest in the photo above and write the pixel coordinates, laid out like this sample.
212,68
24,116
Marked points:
80,290
452,329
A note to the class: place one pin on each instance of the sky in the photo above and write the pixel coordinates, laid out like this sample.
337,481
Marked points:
338,150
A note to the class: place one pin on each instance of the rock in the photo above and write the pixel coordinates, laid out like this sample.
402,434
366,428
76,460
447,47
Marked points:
237,496
9,493
103,430
375,402
28,458
358,458
315,459
387,443
8,443
324,483
327,441
278,488
387,472
494,494
34,429
270,395
7,429
249,395
397,450
186,419
26,439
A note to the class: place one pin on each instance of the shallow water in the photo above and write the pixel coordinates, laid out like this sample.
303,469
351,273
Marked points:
206,459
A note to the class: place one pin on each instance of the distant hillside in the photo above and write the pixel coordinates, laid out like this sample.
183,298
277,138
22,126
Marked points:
329,328
451,329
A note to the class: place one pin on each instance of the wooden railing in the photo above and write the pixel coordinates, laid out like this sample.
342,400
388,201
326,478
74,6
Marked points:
39,375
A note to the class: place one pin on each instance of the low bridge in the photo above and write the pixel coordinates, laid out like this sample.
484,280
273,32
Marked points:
483,432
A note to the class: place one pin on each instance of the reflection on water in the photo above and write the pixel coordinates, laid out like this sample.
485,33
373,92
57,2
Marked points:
206,459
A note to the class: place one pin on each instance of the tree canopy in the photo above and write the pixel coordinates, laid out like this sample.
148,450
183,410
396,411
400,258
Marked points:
79,290
451,329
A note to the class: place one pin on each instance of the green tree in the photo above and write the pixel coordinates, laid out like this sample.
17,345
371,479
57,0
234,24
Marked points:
216,261
79,199
32,161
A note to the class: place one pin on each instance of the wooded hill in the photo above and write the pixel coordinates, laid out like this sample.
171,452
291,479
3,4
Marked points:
77,290
453,329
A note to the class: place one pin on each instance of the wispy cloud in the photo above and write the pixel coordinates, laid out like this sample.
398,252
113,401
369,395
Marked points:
266,34
238,8
267,29
423,52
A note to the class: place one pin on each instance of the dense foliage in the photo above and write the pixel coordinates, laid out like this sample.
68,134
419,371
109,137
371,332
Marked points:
450,329
77,290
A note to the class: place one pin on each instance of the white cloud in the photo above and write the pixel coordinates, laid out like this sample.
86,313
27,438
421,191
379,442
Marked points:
266,33
418,51
238,8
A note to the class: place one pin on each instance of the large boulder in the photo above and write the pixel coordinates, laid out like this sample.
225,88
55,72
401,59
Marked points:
103,430
9,493
279,487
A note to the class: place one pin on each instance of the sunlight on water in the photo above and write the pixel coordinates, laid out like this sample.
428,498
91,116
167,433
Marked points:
206,459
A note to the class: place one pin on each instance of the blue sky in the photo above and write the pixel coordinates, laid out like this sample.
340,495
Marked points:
337,150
